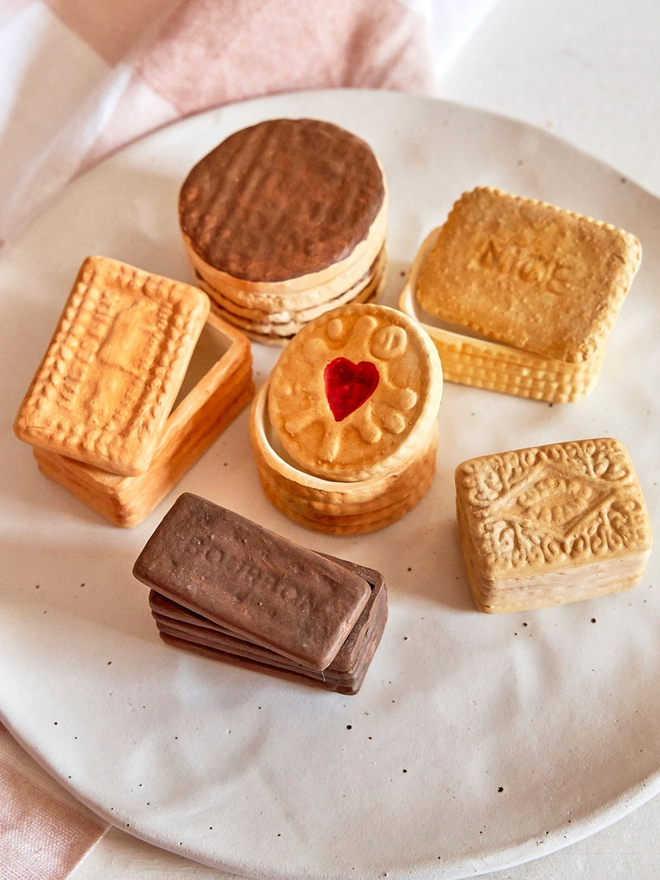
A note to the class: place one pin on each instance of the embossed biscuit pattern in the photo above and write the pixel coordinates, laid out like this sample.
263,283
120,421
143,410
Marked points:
551,524
114,366
529,274
482,363
191,428
338,507
381,431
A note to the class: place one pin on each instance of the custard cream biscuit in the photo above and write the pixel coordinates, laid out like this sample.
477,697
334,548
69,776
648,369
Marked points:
551,524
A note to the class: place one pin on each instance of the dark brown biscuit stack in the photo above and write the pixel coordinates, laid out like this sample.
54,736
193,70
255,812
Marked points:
227,588
282,222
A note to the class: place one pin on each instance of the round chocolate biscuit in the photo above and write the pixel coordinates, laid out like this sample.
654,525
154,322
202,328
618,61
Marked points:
281,199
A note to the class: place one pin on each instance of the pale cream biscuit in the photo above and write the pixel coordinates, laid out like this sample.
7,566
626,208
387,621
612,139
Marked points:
355,392
277,332
551,524
529,274
114,366
262,314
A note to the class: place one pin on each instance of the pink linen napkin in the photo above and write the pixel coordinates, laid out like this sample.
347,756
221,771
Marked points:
44,831
81,79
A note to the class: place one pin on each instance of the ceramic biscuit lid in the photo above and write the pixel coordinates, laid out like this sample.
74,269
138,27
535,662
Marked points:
113,369
529,274
355,393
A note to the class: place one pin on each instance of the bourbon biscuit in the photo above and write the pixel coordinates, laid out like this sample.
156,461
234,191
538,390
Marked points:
176,621
114,366
252,582
529,274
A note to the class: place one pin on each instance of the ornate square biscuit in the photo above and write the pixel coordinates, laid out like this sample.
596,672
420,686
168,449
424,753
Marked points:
114,366
522,272
551,524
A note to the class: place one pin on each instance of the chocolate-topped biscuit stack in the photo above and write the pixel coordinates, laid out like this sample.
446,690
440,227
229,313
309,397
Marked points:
283,221
225,587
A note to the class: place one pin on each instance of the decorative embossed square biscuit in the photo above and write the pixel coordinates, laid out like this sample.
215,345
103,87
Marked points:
114,366
252,582
551,524
529,274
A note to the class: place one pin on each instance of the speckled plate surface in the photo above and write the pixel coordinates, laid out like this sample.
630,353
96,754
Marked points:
476,742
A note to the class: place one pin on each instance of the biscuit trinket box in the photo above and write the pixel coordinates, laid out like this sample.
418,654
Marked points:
345,431
552,524
519,296
284,221
229,589
138,380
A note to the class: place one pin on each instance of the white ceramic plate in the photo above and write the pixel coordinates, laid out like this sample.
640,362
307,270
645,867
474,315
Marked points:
476,741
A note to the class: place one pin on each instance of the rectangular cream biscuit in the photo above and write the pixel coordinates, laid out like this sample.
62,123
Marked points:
217,386
551,524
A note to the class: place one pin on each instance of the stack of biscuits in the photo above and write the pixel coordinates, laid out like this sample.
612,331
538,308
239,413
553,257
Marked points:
551,524
138,380
520,296
345,431
228,589
284,221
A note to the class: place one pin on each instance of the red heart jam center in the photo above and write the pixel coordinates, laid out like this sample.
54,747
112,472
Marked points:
349,385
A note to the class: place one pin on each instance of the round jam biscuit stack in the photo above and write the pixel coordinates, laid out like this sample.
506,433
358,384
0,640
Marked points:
345,431
284,221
